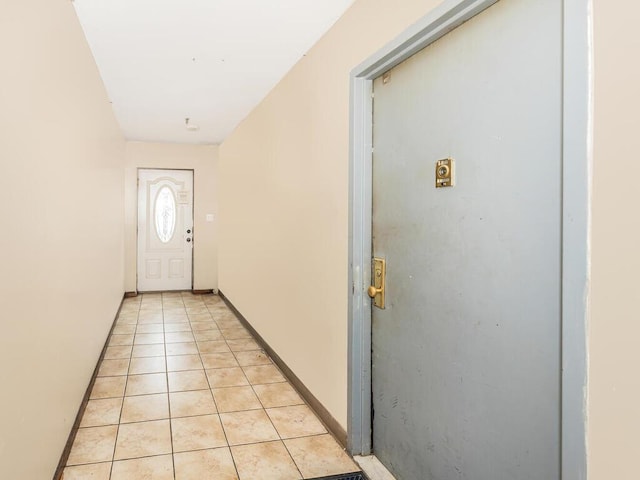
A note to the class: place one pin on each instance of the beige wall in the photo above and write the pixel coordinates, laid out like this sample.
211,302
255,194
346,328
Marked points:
614,340
62,158
203,159
284,202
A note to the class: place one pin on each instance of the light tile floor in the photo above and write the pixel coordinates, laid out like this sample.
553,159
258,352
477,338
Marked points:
184,393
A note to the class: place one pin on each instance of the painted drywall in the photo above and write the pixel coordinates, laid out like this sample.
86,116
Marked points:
614,352
203,160
61,248
284,202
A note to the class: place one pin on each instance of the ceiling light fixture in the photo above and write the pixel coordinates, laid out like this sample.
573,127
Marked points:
191,127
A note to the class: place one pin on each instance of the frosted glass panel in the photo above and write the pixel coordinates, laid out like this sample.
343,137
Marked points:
165,214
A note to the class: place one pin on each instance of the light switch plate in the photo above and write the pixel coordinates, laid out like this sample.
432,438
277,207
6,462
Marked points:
209,217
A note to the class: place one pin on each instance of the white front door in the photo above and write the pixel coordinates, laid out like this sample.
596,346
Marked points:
165,229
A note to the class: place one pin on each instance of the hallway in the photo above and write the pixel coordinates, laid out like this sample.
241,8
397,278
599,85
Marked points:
184,392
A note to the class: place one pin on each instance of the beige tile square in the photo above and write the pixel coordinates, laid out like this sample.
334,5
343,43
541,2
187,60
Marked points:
108,387
260,374
129,309
295,421
235,333
206,321
175,314
146,384
208,335
184,362
197,433
117,340
173,304
149,311
150,468
252,357
219,360
177,327
277,395
225,322
117,352
235,399
176,317
93,471
147,365
242,344
188,380
143,439
203,326
148,338
178,337
212,299
147,317
201,310
216,346
215,464
143,408
319,456
154,350
251,426
226,377
112,368
150,328
191,403
93,445
128,319
105,411
124,329
187,348
151,301
201,317
266,461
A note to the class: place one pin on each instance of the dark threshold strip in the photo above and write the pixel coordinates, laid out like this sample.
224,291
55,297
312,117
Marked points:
345,476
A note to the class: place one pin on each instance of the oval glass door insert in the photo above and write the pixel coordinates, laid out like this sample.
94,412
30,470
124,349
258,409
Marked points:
165,214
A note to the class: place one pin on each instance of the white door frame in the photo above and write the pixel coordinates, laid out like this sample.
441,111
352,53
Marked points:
576,206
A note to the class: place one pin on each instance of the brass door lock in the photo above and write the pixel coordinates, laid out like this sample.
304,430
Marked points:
376,291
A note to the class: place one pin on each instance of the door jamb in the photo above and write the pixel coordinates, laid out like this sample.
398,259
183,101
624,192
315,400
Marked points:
576,207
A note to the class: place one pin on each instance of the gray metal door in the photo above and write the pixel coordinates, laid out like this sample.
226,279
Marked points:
466,354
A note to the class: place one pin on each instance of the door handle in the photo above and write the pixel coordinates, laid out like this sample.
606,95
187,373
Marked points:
377,290
188,240
373,291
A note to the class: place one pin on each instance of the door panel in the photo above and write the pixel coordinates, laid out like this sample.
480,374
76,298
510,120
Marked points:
466,354
165,229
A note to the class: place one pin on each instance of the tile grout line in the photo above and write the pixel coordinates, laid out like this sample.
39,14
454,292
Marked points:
262,404
274,427
124,391
224,431
166,374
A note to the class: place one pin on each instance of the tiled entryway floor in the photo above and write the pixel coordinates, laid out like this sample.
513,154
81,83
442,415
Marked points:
185,393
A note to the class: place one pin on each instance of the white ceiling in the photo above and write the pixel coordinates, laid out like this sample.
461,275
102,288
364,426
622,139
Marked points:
211,61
